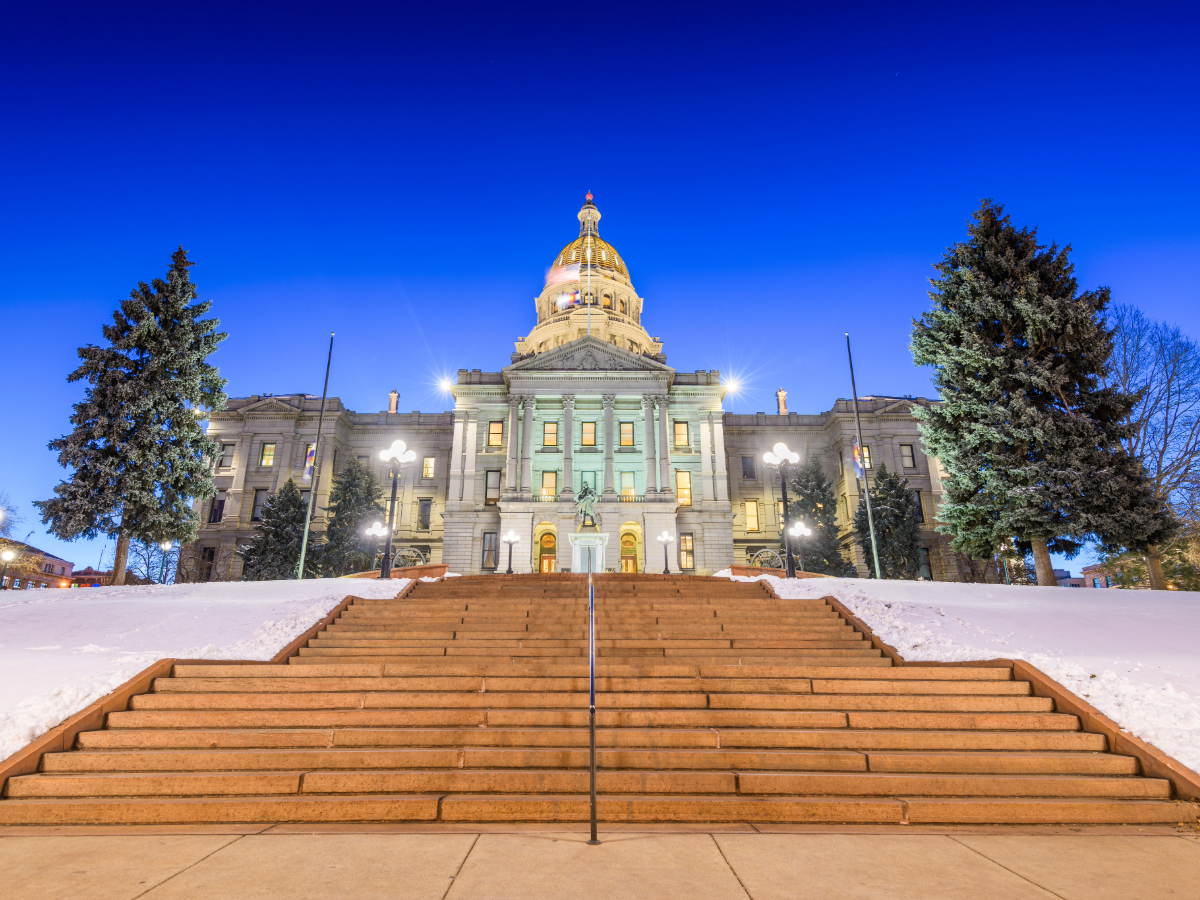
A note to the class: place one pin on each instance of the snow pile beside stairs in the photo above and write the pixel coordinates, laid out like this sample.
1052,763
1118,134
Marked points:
63,649
1134,655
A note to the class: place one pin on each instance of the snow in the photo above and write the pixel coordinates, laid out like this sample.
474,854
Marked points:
1134,655
62,649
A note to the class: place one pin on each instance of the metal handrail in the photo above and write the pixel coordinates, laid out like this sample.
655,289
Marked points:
592,688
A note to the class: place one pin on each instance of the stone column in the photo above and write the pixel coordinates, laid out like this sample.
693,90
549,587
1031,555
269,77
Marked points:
608,443
720,472
510,477
456,447
527,446
706,467
568,484
664,459
650,447
469,441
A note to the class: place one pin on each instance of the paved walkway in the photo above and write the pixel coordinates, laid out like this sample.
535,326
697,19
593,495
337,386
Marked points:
295,863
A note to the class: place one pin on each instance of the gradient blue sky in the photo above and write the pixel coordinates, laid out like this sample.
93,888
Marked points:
402,175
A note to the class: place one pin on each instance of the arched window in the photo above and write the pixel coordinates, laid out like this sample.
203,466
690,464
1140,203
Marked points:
624,307
547,552
607,302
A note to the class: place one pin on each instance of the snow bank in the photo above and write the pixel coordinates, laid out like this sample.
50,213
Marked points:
1134,655
62,649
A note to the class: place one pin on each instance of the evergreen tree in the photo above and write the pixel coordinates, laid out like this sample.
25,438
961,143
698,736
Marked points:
138,451
897,526
274,551
816,506
1028,438
353,506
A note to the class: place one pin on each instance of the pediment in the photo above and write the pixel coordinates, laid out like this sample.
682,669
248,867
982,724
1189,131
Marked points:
897,408
269,407
588,354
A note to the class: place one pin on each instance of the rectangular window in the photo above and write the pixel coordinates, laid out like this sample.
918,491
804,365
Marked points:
626,434
491,550
491,489
260,497
779,512
226,455
424,514
266,456
216,512
549,484
627,484
495,434
920,507
683,487
208,556
365,460
752,515
687,558
1095,582
427,467
924,571
841,463
747,468
845,511
866,457
550,434
589,478
681,435
588,434
907,458
304,498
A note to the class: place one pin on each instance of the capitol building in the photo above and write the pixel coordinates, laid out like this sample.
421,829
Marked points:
587,398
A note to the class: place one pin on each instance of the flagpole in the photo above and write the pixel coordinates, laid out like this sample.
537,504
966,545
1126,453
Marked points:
312,493
866,487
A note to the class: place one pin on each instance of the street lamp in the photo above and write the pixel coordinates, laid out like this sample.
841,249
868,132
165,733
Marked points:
165,546
664,539
780,457
797,531
399,458
511,538
8,556
376,531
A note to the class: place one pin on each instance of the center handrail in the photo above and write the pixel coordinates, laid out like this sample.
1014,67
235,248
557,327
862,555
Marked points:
592,688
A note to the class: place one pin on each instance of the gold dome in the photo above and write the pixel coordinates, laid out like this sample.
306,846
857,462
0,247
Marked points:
604,256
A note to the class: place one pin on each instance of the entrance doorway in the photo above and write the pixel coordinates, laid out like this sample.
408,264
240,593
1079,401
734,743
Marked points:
628,553
547,552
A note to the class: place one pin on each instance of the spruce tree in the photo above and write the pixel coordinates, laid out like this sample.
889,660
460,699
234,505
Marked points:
1028,438
274,551
816,506
897,526
353,506
139,454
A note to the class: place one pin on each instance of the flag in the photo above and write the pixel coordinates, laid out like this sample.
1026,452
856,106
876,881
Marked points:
310,459
559,274
858,469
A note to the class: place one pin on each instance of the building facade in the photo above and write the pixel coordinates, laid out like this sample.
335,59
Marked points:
587,398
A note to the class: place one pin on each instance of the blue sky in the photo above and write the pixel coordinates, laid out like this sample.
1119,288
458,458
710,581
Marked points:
773,176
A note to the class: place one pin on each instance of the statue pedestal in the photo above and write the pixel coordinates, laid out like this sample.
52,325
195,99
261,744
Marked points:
581,542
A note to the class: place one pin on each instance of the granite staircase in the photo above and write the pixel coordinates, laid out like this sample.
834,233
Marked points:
466,701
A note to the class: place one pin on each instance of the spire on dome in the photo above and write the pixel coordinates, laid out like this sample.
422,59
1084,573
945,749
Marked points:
589,217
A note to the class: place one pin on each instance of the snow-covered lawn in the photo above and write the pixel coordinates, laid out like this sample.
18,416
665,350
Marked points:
1134,655
62,649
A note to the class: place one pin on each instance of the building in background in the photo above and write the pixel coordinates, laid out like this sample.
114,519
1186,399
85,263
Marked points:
33,568
587,398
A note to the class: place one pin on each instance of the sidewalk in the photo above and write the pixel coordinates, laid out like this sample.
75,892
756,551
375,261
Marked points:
724,863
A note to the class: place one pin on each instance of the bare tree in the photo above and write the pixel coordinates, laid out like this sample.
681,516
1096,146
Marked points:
9,517
1162,365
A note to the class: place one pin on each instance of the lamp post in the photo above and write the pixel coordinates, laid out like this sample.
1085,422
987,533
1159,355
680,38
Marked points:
511,538
8,556
376,531
780,457
797,531
664,539
165,546
399,458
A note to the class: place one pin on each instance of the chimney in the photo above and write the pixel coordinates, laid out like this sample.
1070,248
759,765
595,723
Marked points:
781,398
393,399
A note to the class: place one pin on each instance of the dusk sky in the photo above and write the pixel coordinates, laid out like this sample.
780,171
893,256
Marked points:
403,176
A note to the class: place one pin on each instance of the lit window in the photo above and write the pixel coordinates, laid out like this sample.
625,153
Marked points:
866,457
495,434
607,301
226,455
626,434
681,435
588,434
683,487
491,491
907,458
550,434
747,468
427,467
624,307
752,515
687,559
256,510
267,456
424,514
627,484
779,512
491,550
549,484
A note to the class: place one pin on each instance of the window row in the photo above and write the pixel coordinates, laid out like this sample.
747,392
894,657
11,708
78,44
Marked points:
490,546
587,434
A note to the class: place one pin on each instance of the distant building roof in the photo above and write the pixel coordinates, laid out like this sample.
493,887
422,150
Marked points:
29,548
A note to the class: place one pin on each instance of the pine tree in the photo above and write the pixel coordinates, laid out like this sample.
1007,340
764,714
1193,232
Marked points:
274,551
816,506
138,451
897,526
353,506
1028,438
